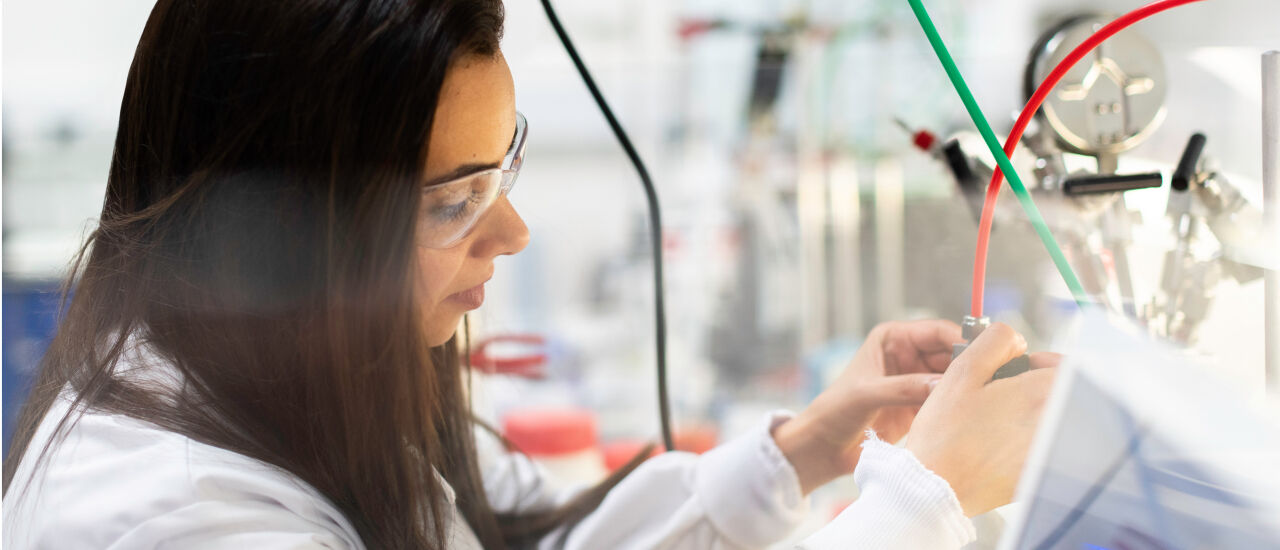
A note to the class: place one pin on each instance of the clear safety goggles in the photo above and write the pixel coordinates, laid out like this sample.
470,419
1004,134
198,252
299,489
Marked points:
450,210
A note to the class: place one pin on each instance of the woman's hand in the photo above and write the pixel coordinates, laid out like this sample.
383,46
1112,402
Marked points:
976,434
882,388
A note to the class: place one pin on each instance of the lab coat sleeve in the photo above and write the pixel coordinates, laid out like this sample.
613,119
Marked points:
743,494
902,505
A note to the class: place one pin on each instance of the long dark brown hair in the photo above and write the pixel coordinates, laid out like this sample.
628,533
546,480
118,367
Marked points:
257,235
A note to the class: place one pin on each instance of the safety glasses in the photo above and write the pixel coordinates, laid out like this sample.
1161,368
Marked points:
450,210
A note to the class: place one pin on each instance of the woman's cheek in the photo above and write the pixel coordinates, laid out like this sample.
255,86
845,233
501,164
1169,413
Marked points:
436,272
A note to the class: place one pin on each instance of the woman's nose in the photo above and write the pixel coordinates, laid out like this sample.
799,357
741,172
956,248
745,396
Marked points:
501,232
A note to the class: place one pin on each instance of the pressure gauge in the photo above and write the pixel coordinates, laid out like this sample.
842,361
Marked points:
1111,100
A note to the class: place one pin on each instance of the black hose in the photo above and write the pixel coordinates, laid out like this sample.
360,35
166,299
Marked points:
655,223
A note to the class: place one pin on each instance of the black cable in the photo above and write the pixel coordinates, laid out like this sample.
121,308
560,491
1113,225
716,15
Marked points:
655,223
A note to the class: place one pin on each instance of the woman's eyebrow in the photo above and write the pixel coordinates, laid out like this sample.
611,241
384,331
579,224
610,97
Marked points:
463,170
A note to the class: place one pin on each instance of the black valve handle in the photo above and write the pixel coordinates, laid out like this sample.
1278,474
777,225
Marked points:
1187,164
1090,185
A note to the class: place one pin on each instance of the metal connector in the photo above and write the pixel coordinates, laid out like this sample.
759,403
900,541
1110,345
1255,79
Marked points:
970,328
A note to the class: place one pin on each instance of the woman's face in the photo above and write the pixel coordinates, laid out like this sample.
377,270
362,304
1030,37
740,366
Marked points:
475,120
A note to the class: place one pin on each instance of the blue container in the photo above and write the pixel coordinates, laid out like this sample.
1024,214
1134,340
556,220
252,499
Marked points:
30,319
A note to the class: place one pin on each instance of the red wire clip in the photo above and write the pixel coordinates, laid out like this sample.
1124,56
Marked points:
527,365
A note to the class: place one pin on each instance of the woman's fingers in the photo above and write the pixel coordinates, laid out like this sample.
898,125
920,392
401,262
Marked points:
903,390
997,345
1046,360
1038,383
919,346
938,362
931,336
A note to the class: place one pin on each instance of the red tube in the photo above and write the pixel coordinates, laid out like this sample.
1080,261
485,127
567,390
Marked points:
1033,105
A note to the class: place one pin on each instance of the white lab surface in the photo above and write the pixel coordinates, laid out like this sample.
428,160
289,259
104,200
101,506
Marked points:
120,483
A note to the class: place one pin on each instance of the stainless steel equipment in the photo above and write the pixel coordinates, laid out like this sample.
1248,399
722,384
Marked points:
1106,105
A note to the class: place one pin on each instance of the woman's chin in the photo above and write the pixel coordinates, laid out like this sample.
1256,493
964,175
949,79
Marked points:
439,333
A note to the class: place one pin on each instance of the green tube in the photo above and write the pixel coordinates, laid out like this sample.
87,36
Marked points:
970,104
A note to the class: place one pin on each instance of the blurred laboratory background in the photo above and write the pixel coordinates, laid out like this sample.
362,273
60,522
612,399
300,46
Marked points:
801,204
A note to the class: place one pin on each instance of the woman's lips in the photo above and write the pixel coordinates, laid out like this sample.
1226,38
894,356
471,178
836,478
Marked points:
471,298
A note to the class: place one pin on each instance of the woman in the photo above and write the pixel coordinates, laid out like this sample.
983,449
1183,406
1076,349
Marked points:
305,198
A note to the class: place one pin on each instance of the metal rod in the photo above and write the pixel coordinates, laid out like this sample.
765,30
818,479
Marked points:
811,208
1271,209
890,224
1121,234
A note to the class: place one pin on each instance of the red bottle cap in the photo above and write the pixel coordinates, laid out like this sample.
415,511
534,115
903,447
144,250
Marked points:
550,432
695,438
618,453
529,361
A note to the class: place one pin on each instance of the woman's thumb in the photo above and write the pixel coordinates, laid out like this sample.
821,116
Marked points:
902,389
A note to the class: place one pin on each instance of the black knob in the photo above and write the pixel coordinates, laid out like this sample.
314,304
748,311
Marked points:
958,162
1187,164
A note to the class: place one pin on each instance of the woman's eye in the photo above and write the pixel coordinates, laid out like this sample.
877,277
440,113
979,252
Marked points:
454,210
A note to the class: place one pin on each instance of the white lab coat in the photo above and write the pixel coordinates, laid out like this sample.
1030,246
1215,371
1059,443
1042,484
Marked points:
120,483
